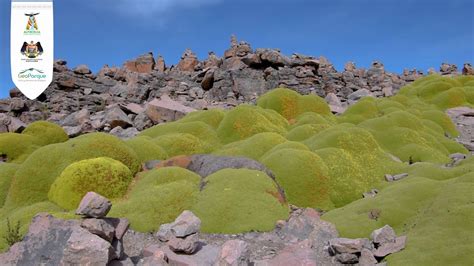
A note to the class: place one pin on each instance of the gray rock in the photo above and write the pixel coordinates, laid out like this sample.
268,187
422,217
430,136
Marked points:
124,134
390,247
355,96
188,245
383,235
17,105
94,205
150,165
120,225
142,122
300,225
207,255
99,227
186,224
457,156
44,243
76,118
346,245
84,248
370,194
118,247
347,258
367,258
392,178
234,253
82,69
164,234
332,99
124,262
295,254
166,110
115,117
73,131
206,164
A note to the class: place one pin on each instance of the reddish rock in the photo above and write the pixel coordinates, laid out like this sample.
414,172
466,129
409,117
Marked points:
188,61
160,64
143,64
153,255
84,248
166,110
234,253
208,80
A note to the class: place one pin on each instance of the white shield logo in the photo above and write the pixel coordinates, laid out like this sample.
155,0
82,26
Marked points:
32,46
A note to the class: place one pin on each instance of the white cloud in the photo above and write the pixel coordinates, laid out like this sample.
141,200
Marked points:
157,7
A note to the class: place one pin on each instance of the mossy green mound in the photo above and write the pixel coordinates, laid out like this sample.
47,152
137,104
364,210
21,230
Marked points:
313,119
105,176
347,178
245,121
46,133
158,197
290,104
360,144
433,214
443,120
405,135
303,175
305,132
200,130
211,117
253,147
7,172
364,109
182,144
239,200
443,92
34,177
146,149
16,147
287,145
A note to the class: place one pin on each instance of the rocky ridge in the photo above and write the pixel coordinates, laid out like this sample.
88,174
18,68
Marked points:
145,91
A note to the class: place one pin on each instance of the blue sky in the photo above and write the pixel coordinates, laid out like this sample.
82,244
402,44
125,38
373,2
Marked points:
400,33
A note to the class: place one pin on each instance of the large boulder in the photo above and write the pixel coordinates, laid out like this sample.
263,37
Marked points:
188,61
143,64
166,110
185,224
94,205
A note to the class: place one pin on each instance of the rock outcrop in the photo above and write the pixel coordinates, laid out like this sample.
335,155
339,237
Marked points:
127,96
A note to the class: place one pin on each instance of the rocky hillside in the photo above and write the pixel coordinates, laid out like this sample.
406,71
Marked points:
260,176
127,96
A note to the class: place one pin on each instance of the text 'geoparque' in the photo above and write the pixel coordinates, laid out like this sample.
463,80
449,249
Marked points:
32,45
